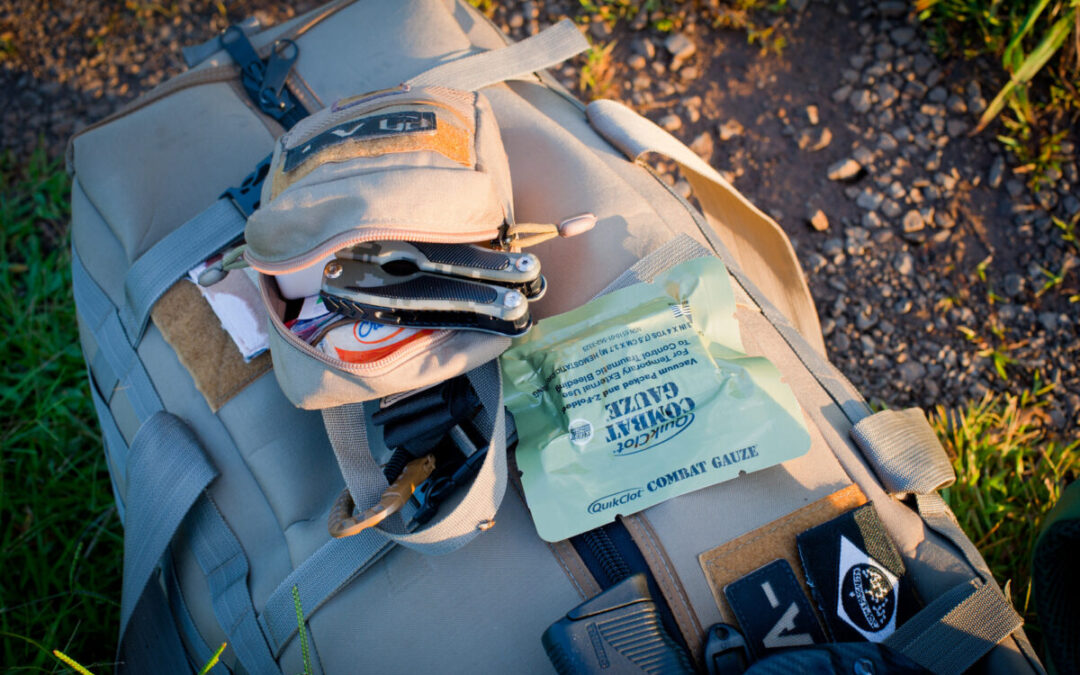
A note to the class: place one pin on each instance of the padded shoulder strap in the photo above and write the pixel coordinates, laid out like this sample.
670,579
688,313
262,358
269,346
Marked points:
758,244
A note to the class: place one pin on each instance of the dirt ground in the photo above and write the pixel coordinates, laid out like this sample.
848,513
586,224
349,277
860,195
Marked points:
929,260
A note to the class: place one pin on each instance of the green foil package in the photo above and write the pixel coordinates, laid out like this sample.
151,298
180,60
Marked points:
642,395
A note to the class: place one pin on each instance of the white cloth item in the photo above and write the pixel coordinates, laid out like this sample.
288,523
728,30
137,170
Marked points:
235,300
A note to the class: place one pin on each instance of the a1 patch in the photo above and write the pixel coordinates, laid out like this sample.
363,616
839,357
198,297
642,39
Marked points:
857,577
772,609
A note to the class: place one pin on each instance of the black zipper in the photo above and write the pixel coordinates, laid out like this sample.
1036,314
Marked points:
610,554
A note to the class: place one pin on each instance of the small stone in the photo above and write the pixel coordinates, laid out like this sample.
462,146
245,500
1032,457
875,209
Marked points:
671,122
730,129
956,105
812,114
1049,321
933,163
884,51
1071,205
644,47
938,95
1014,187
887,94
814,138
863,155
903,35
680,47
688,73
866,321
922,64
637,62
891,209
516,20
1012,285
956,128
1047,199
903,306
841,342
911,372
872,221
868,200
913,221
892,8
844,170
819,221
944,220
887,143
997,171
916,90
860,101
902,134
703,145
842,94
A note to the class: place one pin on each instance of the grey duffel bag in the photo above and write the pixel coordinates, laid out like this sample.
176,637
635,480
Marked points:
225,471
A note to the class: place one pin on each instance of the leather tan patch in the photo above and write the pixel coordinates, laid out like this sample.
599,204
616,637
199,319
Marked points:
191,328
739,557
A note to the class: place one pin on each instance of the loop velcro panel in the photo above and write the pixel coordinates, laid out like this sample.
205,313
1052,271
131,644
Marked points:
904,451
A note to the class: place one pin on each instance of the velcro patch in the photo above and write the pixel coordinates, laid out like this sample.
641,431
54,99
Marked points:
726,563
772,609
857,577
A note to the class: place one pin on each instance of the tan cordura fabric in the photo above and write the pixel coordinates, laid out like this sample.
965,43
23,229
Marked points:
190,326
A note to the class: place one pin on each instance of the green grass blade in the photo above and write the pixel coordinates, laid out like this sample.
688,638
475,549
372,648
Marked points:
1034,62
1013,49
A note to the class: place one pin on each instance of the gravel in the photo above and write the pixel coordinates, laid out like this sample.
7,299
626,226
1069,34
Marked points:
925,224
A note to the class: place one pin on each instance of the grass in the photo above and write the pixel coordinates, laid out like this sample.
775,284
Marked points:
1009,474
62,542
1038,45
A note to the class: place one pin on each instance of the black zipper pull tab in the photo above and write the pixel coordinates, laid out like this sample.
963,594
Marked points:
236,42
278,66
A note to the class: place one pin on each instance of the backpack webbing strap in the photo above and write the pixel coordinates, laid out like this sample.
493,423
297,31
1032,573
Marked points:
956,629
167,472
223,563
339,561
476,71
904,451
156,270
757,241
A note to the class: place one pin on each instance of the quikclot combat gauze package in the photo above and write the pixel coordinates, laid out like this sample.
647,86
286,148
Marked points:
642,395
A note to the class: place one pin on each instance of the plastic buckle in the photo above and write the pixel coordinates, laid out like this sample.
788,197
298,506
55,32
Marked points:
725,650
246,196
264,81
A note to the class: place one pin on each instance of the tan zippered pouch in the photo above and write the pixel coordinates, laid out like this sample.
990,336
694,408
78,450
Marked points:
420,164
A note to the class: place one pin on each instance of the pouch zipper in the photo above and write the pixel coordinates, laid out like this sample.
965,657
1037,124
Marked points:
611,555
405,352
345,240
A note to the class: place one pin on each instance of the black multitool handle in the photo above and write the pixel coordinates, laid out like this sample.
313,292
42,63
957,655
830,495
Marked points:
519,271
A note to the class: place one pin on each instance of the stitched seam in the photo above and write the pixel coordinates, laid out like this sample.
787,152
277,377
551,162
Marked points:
677,587
646,538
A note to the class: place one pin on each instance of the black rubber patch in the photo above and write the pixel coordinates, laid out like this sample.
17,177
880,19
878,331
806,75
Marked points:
857,577
772,609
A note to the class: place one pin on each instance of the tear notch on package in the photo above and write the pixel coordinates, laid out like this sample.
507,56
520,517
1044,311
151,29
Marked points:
642,395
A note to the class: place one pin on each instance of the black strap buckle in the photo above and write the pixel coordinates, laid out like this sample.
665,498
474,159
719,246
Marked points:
264,80
246,196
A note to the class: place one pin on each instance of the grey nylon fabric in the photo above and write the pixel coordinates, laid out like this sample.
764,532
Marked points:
196,645
956,629
226,568
339,561
347,431
170,259
167,471
904,451
548,48
318,579
152,643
